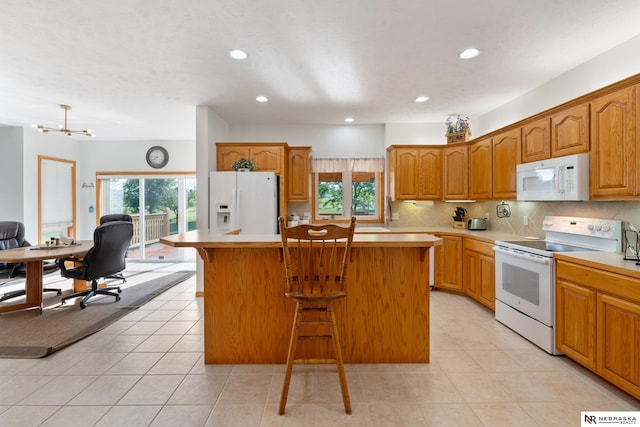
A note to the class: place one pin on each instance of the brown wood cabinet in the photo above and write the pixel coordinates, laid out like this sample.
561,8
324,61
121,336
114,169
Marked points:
618,341
506,155
598,321
455,172
448,266
415,172
481,170
536,141
298,173
430,173
614,155
266,156
570,131
560,134
478,271
576,322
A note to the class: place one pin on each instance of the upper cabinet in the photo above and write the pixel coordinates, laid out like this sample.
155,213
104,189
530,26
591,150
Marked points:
266,156
563,133
430,173
506,155
570,131
415,172
480,170
536,141
298,171
455,172
613,156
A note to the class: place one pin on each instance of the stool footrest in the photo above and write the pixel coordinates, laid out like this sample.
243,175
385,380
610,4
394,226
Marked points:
315,323
314,361
314,337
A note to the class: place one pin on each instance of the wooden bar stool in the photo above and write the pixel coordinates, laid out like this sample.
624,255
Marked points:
315,262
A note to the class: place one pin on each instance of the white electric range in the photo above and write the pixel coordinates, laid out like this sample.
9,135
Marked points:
525,272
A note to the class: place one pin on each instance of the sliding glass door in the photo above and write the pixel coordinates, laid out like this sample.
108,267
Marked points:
160,206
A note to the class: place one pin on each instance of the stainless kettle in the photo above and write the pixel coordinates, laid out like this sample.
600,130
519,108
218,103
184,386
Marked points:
477,224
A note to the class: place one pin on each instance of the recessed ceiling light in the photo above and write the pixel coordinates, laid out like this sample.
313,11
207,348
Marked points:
469,53
422,98
238,54
349,120
262,98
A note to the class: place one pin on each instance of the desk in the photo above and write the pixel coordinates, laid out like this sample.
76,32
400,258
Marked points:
247,317
34,259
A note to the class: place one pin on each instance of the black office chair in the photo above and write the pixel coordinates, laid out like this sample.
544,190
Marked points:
110,218
110,243
12,236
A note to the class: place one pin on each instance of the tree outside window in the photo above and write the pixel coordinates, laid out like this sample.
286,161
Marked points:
353,191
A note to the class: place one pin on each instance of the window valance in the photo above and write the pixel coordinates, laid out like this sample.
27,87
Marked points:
374,164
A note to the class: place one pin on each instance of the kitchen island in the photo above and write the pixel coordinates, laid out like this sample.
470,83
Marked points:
248,319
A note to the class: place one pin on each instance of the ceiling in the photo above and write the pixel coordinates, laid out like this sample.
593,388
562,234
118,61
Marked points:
136,69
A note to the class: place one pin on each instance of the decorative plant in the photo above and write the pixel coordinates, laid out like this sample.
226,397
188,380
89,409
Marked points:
461,124
243,163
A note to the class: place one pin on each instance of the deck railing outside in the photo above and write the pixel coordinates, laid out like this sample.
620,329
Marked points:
156,226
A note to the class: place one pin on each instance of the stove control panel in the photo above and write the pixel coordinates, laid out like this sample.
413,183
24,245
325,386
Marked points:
600,230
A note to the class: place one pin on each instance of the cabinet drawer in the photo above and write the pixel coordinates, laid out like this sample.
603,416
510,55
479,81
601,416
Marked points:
478,246
611,283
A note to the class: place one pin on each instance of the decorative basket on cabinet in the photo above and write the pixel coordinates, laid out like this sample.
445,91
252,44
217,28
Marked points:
457,130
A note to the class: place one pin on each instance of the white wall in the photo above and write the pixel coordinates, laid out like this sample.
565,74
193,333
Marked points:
12,174
121,156
415,134
51,145
614,65
325,140
209,129
90,156
617,64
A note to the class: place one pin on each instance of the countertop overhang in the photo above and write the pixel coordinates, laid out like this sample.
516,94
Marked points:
216,239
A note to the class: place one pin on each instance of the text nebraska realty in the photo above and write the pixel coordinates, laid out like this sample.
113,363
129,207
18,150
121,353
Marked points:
611,419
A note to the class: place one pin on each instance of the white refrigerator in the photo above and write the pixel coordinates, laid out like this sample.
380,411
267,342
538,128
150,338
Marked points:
244,200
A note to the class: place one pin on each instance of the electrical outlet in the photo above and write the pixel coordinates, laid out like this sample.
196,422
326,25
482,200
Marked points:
525,220
395,216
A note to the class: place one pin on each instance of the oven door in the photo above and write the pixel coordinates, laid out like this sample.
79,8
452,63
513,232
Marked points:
525,282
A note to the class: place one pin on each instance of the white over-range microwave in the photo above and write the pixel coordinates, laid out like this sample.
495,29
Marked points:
560,178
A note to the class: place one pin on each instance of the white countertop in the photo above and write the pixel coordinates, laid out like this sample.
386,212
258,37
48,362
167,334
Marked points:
481,234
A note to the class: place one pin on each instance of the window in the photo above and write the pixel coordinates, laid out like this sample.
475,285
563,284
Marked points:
345,187
160,204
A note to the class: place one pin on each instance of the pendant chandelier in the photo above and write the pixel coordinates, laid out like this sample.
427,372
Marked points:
64,128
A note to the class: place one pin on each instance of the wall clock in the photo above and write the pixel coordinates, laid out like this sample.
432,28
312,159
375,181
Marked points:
157,157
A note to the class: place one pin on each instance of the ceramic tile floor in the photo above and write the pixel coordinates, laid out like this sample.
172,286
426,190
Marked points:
147,370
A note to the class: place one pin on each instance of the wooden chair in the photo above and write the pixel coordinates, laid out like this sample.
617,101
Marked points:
315,262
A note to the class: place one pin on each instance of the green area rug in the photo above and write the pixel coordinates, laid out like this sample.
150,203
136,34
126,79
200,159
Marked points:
27,334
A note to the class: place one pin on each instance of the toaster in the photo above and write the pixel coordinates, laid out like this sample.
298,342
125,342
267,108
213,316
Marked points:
477,224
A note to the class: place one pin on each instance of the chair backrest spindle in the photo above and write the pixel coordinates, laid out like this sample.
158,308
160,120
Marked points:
315,257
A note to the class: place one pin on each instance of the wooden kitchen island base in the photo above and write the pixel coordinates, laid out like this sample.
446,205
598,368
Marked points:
383,319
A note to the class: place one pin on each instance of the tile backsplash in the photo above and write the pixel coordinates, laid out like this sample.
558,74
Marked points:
439,215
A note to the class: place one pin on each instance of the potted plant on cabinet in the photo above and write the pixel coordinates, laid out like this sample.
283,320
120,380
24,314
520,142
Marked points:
243,164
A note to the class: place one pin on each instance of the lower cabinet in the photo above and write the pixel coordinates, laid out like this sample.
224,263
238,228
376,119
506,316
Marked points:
576,322
466,265
448,274
478,272
618,342
598,322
